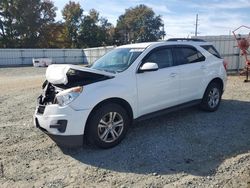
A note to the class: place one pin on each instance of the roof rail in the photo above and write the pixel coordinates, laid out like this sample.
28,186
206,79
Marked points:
186,39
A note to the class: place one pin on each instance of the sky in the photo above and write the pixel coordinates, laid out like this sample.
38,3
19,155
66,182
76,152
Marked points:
216,17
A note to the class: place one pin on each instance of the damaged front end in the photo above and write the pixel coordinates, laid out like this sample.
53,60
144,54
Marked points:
54,115
65,83
46,98
48,95
57,95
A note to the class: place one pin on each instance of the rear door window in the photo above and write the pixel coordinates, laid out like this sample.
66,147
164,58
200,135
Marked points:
186,55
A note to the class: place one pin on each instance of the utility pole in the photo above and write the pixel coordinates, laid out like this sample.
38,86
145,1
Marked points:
163,32
196,24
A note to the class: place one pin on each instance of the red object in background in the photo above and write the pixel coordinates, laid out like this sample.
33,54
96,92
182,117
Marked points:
248,63
243,44
225,63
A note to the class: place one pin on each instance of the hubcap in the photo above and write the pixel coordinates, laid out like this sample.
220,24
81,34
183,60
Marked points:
213,98
110,127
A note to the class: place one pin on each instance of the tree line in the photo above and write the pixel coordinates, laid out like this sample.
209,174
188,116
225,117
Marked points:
31,24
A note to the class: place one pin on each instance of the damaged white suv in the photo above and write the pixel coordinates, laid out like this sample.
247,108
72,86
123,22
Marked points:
129,83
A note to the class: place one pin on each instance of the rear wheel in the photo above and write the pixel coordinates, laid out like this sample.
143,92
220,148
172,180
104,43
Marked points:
212,97
107,126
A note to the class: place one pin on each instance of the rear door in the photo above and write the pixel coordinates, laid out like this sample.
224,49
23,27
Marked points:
158,89
192,67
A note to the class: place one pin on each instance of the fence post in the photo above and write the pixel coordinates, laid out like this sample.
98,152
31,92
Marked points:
22,58
43,53
64,56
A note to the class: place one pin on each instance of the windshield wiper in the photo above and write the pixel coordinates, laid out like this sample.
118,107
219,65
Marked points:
112,71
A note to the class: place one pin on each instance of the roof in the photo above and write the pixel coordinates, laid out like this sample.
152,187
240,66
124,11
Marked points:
147,44
138,45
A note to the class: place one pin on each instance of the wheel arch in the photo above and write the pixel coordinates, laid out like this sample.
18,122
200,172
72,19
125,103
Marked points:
215,80
218,81
123,103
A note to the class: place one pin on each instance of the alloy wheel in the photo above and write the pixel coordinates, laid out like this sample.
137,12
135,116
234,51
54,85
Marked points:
213,97
110,127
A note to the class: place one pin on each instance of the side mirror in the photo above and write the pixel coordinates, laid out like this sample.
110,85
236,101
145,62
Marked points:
148,66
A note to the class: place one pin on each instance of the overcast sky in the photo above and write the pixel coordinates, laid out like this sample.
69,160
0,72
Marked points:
216,17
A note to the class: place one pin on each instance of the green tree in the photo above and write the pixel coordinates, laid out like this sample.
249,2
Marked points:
139,24
7,32
22,21
108,30
53,36
72,14
95,30
49,30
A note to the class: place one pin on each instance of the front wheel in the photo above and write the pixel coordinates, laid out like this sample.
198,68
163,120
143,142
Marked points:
107,126
212,97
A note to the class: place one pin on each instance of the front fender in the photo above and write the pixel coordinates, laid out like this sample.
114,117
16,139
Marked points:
95,93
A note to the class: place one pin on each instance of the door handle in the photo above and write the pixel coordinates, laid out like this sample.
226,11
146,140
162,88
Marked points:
173,74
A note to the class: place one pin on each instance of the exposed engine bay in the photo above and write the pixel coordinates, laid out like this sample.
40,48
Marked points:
62,77
49,93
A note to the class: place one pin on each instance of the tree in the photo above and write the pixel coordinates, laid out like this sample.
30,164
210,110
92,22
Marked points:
95,31
49,30
31,23
72,14
108,30
139,24
52,36
6,27
22,21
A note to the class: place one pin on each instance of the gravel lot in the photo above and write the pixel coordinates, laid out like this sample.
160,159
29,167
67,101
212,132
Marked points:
188,148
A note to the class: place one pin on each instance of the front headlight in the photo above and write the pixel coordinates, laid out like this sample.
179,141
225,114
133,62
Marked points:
67,96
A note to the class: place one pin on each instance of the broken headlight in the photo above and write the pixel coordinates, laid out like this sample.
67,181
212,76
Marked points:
67,96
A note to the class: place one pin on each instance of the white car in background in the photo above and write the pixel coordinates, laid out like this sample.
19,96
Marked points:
131,82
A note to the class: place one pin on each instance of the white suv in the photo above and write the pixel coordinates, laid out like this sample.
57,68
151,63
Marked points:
131,82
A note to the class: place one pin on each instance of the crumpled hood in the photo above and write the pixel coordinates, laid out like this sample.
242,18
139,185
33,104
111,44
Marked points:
57,73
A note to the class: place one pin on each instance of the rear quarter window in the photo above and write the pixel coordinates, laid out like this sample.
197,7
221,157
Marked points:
211,49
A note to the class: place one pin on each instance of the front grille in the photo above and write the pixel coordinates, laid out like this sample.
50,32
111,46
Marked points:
40,109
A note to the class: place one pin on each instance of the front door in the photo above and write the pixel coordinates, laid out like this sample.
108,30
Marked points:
158,89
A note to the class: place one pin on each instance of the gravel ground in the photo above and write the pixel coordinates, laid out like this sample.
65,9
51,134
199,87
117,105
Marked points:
188,148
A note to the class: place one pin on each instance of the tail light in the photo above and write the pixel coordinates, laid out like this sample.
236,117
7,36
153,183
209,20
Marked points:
225,63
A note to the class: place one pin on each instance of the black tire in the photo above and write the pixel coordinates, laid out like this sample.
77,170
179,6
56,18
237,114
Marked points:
96,126
212,93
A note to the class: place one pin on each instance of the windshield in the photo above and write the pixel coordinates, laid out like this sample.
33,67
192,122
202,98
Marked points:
117,60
